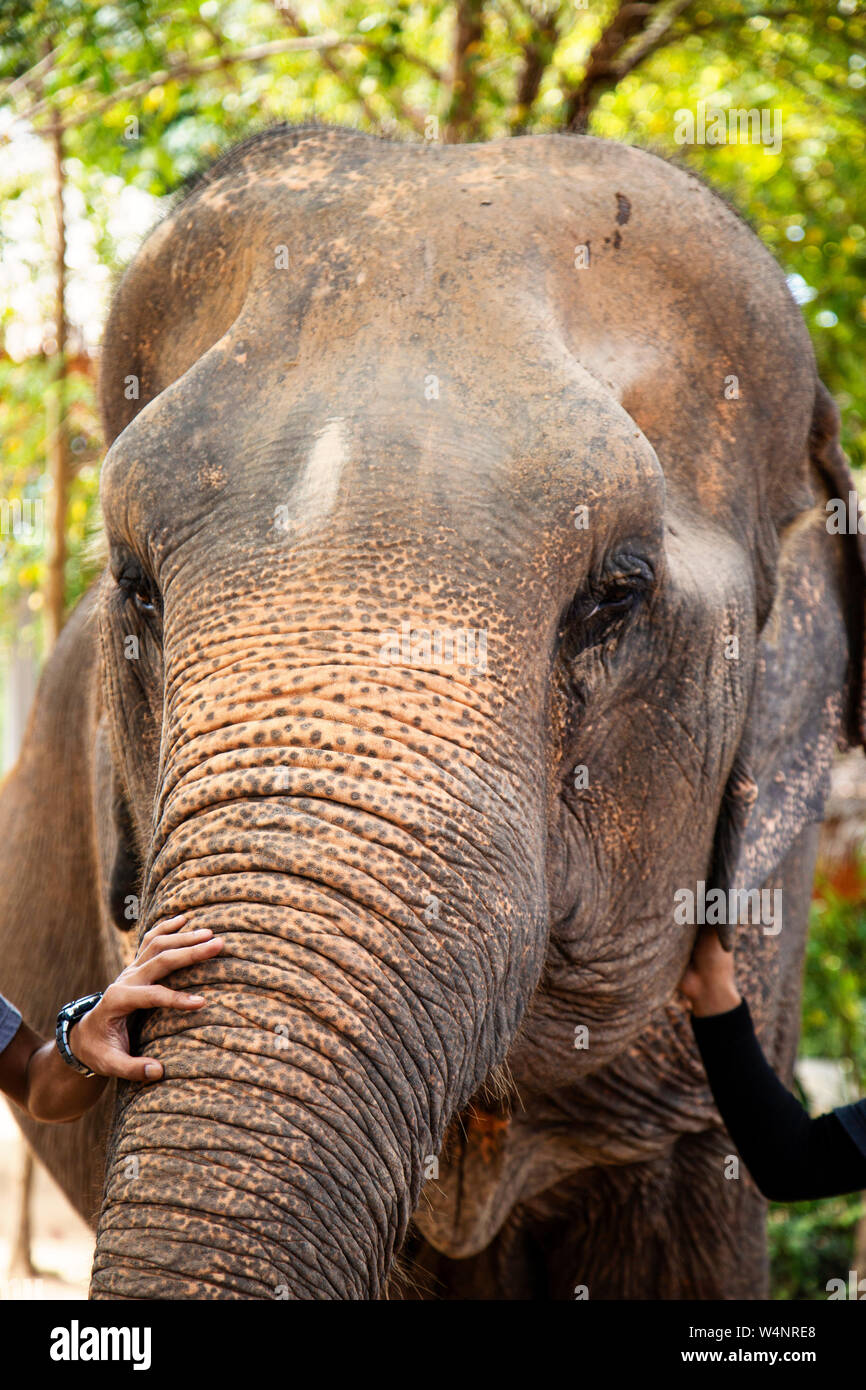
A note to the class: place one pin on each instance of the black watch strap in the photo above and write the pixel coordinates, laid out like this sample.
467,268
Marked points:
70,1014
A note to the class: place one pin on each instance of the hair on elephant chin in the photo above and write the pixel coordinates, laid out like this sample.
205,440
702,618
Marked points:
498,1091
408,1282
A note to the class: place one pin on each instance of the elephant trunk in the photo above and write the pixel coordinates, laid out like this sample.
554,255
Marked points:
380,898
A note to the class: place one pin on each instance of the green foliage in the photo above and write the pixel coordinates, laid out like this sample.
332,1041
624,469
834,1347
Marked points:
24,389
806,203
812,1242
834,1007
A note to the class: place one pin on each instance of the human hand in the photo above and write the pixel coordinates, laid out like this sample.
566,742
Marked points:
708,984
101,1039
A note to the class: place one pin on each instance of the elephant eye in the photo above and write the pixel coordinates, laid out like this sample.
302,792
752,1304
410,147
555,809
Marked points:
138,590
614,603
596,614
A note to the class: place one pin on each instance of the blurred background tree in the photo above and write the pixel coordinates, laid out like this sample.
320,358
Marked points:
107,108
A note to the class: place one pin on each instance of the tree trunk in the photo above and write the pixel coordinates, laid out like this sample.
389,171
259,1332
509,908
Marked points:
462,121
58,453
20,689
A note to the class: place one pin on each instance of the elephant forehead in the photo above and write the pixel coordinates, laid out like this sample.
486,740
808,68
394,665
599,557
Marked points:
330,446
476,283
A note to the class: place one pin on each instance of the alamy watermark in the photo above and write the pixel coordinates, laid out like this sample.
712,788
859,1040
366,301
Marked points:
854,1288
846,517
714,907
438,646
77,1343
23,518
723,125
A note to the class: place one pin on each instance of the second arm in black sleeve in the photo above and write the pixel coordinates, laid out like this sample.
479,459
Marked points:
791,1156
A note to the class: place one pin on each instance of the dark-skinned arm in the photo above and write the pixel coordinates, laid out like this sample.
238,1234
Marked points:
34,1075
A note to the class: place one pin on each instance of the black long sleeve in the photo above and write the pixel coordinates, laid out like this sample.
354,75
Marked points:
791,1157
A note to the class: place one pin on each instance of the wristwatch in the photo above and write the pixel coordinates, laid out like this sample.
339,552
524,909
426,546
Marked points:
69,1014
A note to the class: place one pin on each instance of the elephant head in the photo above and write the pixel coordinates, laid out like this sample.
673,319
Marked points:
469,595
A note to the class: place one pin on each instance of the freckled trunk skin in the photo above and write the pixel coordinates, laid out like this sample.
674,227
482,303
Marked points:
372,939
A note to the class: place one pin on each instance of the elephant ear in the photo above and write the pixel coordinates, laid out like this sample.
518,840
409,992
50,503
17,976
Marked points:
808,694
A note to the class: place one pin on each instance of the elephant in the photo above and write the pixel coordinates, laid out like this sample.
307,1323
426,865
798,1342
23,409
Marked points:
468,598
